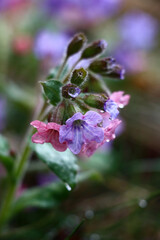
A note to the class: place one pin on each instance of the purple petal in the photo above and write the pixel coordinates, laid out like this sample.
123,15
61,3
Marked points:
76,116
111,107
65,134
91,133
76,144
92,118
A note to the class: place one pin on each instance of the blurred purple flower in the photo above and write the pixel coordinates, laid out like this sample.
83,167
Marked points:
138,30
81,129
50,45
86,10
44,179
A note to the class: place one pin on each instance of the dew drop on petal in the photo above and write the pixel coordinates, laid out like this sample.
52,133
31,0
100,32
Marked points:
107,140
121,105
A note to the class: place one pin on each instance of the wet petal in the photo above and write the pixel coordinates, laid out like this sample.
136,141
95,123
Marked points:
76,144
92,133
76,116
109,132
121,99
111,107
92,118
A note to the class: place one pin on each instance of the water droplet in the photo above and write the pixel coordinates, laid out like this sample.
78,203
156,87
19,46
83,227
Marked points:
89,214
101,111
74,91
121,105
68,187
142,203
113,136
107,140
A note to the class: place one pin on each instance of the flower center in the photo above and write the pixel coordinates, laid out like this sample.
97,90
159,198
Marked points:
78,122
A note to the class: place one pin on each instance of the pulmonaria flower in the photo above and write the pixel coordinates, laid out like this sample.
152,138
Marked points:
120,99
112,108
49,45
48,133
109,128
81,129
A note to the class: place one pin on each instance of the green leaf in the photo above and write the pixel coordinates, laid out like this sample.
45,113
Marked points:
52,89
5,157
43,197
63,164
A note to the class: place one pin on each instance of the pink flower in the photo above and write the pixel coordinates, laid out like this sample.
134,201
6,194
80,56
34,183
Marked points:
119,98
88,149
48,133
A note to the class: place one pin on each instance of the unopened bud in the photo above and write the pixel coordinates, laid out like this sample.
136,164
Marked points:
94,49
70,91
78,76
116,71
76,44
95,100
101,66
58,114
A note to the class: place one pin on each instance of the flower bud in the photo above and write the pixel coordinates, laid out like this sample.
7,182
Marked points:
76,44
94,49
78,76
103,65
116,71
95,100
70,91
58,114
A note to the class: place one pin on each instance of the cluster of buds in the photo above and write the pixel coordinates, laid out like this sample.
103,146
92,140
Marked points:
84,115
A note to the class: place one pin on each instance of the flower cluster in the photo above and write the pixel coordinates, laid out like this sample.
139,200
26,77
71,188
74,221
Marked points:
82,120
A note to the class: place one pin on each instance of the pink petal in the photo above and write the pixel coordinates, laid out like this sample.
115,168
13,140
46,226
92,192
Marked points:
38,138
61,147
121,99
38,124
54,126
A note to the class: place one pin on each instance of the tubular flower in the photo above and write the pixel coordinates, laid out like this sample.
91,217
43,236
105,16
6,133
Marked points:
120,99
112,108
109,128
48,133
81,129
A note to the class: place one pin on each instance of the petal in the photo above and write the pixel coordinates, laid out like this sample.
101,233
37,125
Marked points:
121,99
112,108
91,133
38,138
76,116
109,132
88,149
65,134
76,144
38,124
92,118
54,126
61,147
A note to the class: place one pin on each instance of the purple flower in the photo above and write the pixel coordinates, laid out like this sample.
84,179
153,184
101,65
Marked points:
138,30
112,108
2,113
52,45
81,129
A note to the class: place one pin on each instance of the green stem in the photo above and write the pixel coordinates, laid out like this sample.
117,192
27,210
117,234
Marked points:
61,68
18,173
74,65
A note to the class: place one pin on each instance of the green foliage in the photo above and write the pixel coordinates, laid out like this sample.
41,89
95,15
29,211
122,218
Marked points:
5,157
63,164
44,197
52,91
